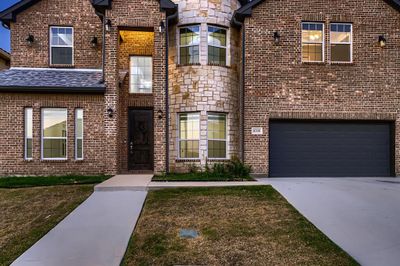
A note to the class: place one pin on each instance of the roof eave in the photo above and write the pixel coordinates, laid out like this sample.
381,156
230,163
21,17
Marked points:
19,89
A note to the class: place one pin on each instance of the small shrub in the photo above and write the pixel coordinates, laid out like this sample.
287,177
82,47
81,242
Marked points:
219,169
193,168
238,169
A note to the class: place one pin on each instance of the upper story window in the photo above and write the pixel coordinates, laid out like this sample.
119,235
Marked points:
189,45
216,45
312,42
341,42
54,134
61,45
141,74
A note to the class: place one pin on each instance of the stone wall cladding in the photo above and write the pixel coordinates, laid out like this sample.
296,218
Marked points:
12,126
204,88
37,19
147,15
278,85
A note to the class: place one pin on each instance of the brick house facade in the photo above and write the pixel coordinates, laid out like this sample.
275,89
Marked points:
227,69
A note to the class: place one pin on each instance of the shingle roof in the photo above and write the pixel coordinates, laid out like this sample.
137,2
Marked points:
5,55
49,80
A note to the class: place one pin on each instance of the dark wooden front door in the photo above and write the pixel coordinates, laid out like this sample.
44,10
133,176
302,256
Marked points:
140,140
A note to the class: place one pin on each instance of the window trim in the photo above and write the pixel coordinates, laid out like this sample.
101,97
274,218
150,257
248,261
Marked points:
25,134
65,46
76,135
226,136
179,136
42,135
351,42
218,46
130,74
184,46
323,41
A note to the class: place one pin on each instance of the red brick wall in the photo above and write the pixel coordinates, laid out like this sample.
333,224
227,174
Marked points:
36,21
12,131
278,85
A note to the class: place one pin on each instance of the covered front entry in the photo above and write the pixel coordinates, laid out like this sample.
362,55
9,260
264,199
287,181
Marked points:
331,148
140,139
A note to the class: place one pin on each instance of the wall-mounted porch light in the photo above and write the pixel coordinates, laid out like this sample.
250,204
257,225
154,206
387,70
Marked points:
382,41
110,112
161,28
277,37
94,42
30,40
108,25
160,114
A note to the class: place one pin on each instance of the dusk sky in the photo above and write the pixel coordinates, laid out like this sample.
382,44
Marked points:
4,33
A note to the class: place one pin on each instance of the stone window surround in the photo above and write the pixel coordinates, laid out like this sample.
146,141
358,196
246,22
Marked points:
203,140
203,50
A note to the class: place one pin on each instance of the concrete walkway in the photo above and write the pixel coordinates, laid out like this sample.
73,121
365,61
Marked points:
361,215
96,233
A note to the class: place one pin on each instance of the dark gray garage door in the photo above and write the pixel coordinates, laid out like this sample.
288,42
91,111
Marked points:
330,149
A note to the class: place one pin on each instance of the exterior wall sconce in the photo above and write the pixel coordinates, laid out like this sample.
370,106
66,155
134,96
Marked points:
161,28
108,25
94,42
160,114
277,37
30,40
382,41
110,112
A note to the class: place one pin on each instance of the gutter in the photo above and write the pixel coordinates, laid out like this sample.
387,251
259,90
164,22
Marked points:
240,24
103,45
168,19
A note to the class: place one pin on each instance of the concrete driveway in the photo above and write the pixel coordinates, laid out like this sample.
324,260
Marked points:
361,215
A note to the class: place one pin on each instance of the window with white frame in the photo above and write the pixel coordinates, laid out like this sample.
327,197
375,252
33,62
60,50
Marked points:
61,45
189,45
216,45
189,135
341,42
79,134
312,42
54,134
141,74
216,134
28,133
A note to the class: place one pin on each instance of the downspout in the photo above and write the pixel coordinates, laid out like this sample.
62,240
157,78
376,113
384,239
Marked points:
168,18
103,46
242,86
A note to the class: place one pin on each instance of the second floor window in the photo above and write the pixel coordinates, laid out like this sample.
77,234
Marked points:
312,42
341,42
216,46
61,45
189,45
141,74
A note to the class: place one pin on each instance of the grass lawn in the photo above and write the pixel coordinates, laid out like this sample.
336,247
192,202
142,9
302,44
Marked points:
237,226
202,176
35,181
27,214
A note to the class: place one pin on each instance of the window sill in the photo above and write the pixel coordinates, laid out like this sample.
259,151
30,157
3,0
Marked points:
218,160
53,160
218,65
140,94
313,63
342,63
194,64
187,160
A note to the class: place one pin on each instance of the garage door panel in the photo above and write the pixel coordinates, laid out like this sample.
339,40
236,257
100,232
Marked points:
330,148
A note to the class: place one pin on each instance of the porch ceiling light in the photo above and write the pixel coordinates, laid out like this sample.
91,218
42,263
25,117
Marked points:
30,40
382,41
277,37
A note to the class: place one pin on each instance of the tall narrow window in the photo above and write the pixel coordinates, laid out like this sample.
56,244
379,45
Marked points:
28,133
216,128
79,134
141,69
189,40
189,135
312,47
54,134
61,45
341,42
216,46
